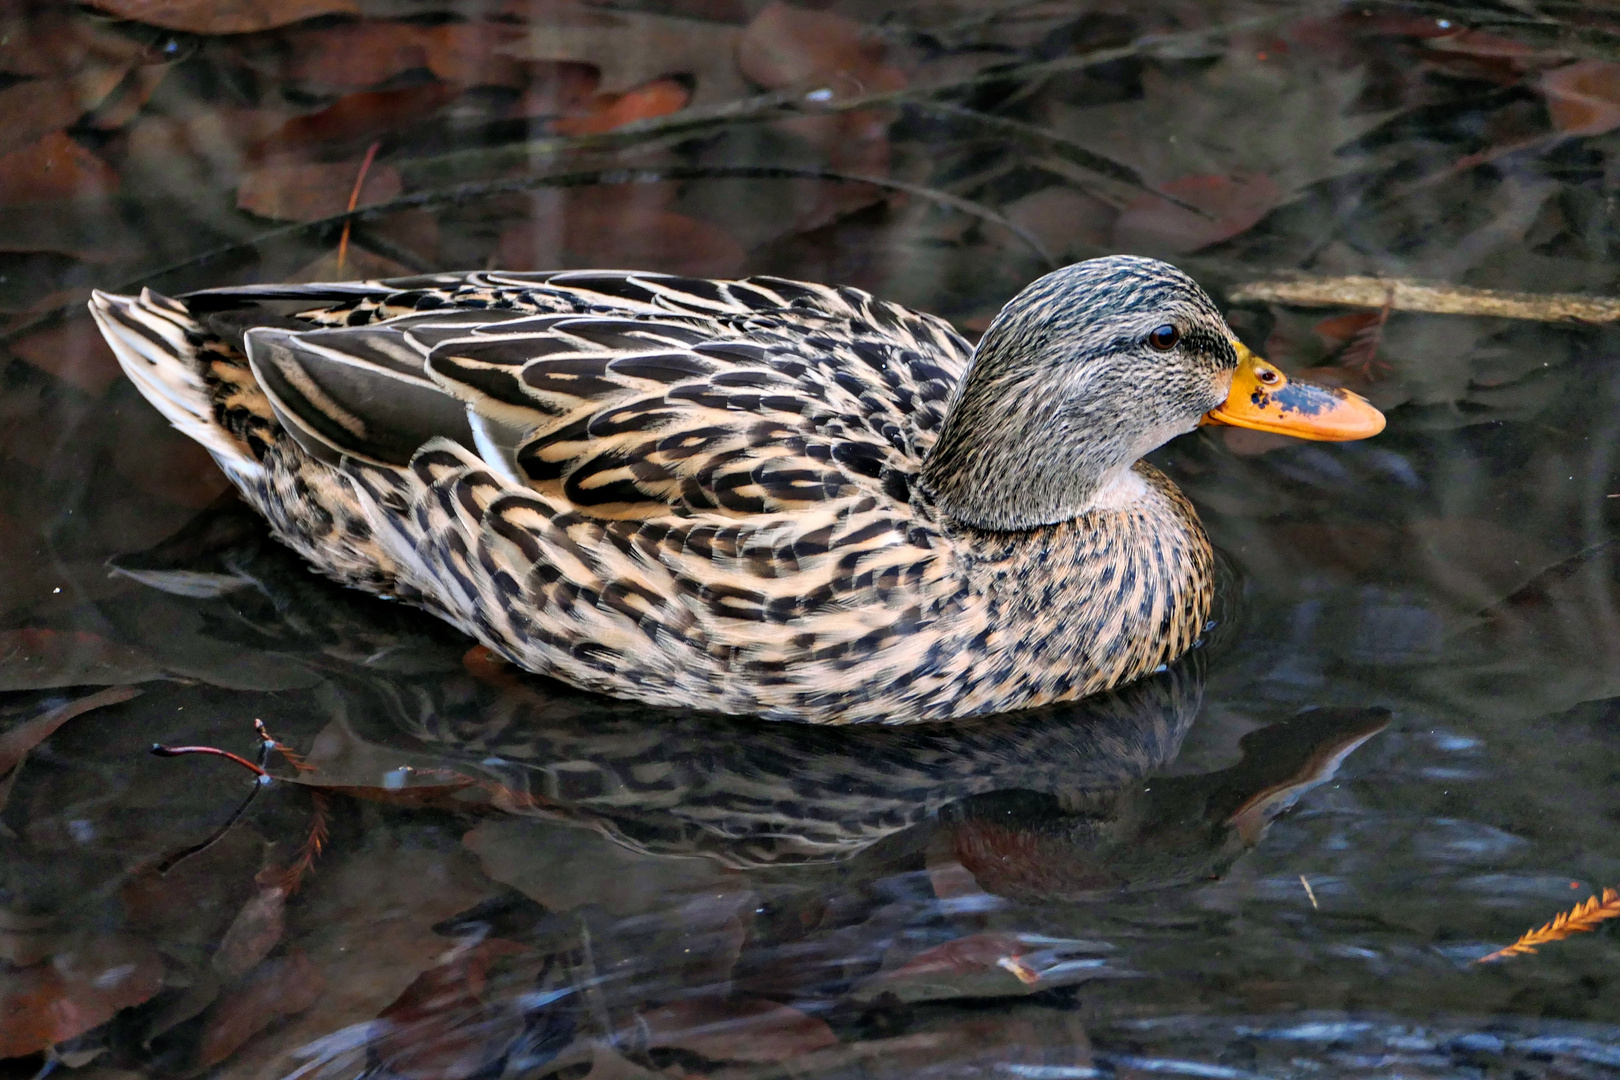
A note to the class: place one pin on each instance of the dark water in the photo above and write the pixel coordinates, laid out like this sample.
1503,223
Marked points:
1281,858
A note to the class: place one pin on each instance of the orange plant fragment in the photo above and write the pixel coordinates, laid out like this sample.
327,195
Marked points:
608,111
1581,919
1583,98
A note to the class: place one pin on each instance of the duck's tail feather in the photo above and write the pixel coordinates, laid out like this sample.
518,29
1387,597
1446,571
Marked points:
157,343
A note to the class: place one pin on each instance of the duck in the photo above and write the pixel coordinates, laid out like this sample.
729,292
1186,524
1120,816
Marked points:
757,497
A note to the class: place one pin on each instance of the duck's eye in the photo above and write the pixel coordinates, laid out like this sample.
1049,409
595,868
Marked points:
1164,338
1267,376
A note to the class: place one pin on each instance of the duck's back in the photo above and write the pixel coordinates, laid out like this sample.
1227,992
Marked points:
689,492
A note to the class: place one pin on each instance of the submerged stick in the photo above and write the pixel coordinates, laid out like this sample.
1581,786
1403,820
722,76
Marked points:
1404,294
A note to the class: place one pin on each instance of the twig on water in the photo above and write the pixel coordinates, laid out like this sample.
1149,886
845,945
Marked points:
354,199
262,779
1310,892
159,750
1402,294
464,193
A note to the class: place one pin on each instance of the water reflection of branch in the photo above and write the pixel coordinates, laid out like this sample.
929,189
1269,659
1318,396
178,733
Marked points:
469,192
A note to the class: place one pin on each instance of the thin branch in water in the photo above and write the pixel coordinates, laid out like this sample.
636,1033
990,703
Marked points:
159,750
1070,149
1402,294
354,199
462,193
262,779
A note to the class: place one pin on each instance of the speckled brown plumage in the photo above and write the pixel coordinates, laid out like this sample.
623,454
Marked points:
722,494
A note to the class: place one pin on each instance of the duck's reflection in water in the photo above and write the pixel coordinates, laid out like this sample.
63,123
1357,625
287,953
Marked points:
683,884
679,873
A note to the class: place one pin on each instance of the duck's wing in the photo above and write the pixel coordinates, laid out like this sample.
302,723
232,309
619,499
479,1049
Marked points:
625,406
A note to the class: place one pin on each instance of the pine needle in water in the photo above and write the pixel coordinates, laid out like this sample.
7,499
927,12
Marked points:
1581,919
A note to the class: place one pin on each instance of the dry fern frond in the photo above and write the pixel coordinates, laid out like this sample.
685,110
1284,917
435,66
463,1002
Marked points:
314,844
1582,918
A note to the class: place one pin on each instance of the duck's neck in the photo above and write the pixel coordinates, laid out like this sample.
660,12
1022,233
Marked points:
1009,459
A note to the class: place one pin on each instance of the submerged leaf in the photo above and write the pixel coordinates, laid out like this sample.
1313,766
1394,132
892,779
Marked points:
280,987
15,744
1583,98
36,659
747,1030
224,16
308,192
657,98
1232,205
76,991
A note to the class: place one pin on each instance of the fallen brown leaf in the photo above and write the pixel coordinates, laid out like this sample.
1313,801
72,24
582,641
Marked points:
1234,204
126,100
431,1036
354,56
751,1029
1338,329
366,922
52,41
37,659
608,111
618,226
558,88
357,119
35,108
16,743
1583,98
1062,217
630,48
281,987
965,955
55,167
224,16
787,46
308,191
76,991
25,940
257,928
74,352
168,466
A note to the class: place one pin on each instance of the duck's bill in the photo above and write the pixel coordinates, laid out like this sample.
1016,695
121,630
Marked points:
1263,398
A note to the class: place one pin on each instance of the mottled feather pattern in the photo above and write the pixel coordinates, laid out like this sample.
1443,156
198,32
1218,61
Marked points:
692,493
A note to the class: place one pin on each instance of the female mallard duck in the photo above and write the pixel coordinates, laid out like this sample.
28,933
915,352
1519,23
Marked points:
757,496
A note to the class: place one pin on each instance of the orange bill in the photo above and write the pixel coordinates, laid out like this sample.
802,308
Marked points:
1264,399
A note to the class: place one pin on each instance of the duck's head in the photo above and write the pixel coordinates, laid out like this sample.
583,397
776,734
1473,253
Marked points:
1093,366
